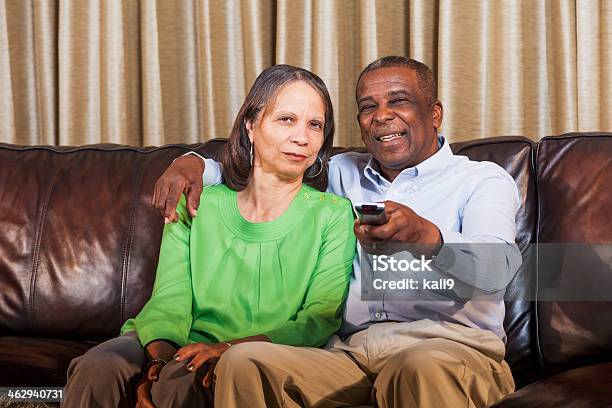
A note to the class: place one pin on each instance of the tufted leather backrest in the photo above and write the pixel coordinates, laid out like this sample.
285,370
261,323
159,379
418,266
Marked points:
80,239
574,174
515,155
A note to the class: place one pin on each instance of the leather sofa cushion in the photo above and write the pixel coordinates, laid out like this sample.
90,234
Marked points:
80,239
37,362
585,387
515,155
574,174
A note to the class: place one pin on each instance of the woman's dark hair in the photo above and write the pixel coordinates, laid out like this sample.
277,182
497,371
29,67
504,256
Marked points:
236,155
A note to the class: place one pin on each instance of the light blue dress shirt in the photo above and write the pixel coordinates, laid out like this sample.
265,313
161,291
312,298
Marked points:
472,203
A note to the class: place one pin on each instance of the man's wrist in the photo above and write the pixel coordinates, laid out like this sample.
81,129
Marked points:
437,247
431,241
201,161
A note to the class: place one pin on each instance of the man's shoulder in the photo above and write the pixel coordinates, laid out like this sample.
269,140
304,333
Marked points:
350,161
351,157
484,176
480,169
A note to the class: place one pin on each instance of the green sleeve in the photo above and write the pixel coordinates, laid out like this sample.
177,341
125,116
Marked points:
321,313
167,315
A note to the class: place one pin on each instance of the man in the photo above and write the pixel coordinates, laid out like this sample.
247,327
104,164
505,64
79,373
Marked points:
429,352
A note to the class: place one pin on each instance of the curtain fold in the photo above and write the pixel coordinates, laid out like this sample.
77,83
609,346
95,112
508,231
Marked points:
150,72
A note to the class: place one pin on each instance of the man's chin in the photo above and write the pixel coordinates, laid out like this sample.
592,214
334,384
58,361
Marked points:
392,162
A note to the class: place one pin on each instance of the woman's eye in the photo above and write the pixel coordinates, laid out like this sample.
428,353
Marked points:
316,125
285,119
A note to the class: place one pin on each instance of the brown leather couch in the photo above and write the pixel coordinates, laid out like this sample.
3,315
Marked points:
79,244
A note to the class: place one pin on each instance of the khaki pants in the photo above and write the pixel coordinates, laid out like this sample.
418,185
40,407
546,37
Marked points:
414,364
418,364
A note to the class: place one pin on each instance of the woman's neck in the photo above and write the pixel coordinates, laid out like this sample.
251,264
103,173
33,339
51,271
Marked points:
266,197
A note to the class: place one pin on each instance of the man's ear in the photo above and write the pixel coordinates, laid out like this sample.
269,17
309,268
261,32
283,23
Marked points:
437,112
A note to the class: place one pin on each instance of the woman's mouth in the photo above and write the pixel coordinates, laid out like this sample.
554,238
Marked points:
389,137
295,156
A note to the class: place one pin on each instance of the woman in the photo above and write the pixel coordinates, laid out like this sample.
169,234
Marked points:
268,259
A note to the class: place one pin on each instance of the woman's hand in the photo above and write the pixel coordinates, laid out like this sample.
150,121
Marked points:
200,354
143,388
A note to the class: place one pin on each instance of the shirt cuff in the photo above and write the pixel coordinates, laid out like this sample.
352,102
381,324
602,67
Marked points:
212,174
446,259
194,153
159,331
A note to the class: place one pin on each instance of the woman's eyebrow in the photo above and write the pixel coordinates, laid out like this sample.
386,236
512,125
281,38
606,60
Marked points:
286,112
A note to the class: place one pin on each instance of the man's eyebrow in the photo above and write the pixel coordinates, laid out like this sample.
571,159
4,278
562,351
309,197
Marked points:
400,92
367,98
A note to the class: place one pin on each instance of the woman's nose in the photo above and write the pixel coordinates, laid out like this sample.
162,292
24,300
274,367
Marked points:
299,135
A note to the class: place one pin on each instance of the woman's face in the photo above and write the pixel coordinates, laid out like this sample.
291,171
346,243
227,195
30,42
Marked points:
288,136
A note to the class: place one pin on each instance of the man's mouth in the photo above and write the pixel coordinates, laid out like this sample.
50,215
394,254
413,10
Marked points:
392,136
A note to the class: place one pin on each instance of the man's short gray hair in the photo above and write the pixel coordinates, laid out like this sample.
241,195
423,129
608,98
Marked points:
425,76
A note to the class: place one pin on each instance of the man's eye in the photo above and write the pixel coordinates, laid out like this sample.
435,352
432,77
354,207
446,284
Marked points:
399,100
366,108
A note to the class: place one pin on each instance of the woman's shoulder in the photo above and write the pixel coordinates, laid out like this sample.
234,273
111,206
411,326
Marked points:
220,190
216,196
320,200
331,213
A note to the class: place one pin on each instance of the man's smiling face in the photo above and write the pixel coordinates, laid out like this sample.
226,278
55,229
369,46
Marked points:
398,125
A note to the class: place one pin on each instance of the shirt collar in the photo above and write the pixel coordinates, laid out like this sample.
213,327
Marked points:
437,162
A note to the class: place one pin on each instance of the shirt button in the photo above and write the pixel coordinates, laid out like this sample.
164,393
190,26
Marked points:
378,315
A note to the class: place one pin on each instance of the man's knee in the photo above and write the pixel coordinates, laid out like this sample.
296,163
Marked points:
421,366
245,357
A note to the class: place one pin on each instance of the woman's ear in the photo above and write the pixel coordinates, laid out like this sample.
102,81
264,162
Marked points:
248,124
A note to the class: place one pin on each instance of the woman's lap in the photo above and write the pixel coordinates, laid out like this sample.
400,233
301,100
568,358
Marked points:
108,373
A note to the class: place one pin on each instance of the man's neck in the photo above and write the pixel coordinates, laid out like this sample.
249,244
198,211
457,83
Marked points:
391,174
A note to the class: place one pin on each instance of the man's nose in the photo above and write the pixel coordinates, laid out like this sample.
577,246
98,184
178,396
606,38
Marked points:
383,114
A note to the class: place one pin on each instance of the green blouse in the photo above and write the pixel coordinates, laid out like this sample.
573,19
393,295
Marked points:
220,277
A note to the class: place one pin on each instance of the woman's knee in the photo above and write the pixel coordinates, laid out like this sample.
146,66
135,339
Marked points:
116,358
178,387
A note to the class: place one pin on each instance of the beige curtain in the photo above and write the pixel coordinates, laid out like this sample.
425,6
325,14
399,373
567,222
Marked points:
147,72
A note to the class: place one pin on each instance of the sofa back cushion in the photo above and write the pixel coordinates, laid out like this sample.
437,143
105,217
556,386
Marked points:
515,155
80,239
574,174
